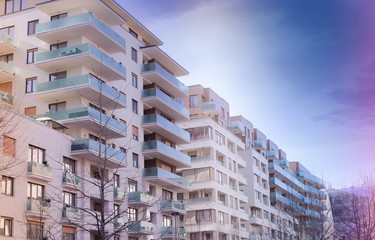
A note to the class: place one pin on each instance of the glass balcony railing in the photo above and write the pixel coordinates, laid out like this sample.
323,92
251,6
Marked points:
166,75
71,213
201,158
237,125
6,98
291,204
40,169
273,154
313,201
78,81
94,146
170,230
283,163
156,118
172,204
85,48
7,39
140,197
286,174
211,107
71,178
141,226
310,177
260,144
166,150
92,113
198,200
6,68
118,193
286,188
155,92
37,206
85,18
164,174
119,222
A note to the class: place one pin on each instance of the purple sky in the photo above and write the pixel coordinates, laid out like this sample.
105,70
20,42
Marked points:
301,71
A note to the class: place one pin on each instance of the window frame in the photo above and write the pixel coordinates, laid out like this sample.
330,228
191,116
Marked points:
31,26
5,188
30,84
30,57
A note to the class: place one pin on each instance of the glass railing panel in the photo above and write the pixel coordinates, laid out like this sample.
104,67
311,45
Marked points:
159,172
7,39
155,118
161,147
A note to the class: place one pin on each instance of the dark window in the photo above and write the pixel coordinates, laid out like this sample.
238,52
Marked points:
134,80
134,55
31,55
135,160
133,33
30,84
57,107
58,46
57,76
59,16
35,191
36,154
134,106
31,27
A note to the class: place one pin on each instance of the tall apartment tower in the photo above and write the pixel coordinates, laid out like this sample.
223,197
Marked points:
265,221
213,204
82,73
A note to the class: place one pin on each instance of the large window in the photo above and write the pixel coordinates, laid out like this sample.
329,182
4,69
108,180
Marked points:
34,231
9,146
6,225
69,198
132,214
31,27
167,221
203,216
221,218
69,165
7,185
132,185
36,154
30,84
135,160
35,191
193,101
166,195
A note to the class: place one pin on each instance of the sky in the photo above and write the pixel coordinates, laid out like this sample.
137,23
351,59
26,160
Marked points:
301,71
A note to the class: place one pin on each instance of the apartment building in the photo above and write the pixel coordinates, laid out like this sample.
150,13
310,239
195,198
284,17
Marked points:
265,221
213,203
82,74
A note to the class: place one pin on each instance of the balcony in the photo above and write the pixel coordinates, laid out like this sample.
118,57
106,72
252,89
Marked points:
36,208
154,97
154,73
88,118
275,168
168,232
94,151
198,200
159,150
7,72
118,193
6,98
86,86
170,206
210,108
7,44
311,179
286,188
157,123
71,180
167,179
237,127
119,222
138,199
71,214
81,55
260,145
39,171
141,227
274,154
277,197
86,25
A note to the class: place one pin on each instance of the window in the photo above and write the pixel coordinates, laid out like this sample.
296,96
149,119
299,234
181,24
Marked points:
166,195
96,108
132,185
30,84
31,55
57,76
98,174
116,180
132,214
203,215
133,33
122,149
134,106
34,230
7,30
135,160
69,165
219,138
58,46
69,199
57,107
12,6
31,27
9,146
68,233
96,139
135,133
36,154
6,58
7,185
167,221
134,80
59,16
134,55
221,218
30,111
6,225
193,101
35,191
